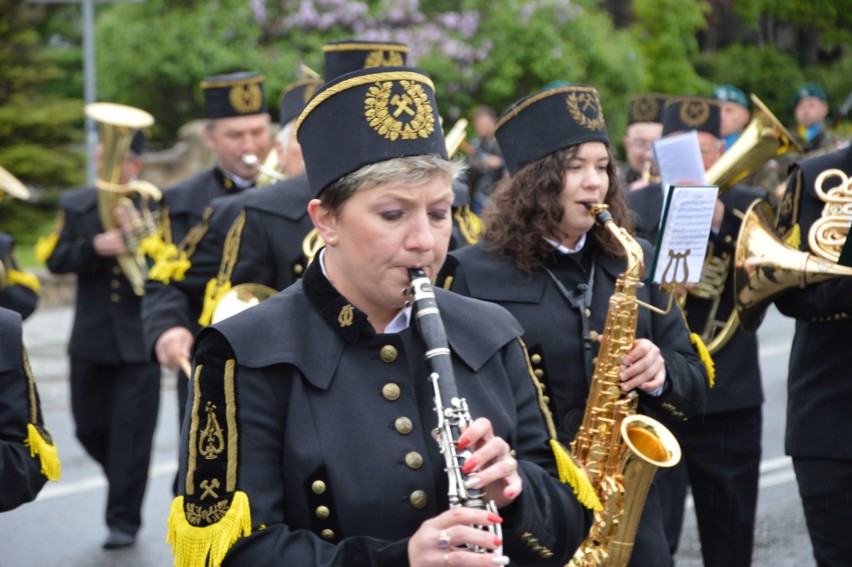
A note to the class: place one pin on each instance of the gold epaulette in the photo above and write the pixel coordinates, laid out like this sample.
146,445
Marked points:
45,245
570,471
26,279
469,224
212,515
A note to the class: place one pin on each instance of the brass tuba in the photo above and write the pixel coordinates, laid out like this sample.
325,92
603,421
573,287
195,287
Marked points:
763,138
117,124
9,184
765,266
621,449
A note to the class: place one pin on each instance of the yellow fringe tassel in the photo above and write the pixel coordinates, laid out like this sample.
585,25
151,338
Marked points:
574,476
152,246
26,279
704,355
47,454
45,246
170,265
212,295
794,236
206,547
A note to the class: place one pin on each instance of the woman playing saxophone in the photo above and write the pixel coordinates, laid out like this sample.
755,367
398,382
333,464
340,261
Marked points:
544,259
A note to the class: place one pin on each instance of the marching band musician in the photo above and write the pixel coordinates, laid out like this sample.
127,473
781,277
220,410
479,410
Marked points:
644,126
541,258
115,387
310,438
28,457
817,384
237,124
721,445
19,290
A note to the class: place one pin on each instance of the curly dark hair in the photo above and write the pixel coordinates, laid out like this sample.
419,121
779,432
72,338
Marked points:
526,209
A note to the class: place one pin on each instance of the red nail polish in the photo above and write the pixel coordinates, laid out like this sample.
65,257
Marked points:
468,466
495,519
510,493
498,542
463,443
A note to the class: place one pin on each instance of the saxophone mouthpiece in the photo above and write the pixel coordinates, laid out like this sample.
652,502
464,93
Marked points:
600,212
250,159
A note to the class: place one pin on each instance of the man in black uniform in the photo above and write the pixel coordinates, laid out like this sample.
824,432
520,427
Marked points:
19,290
237,126
721,446
644,127
115,388
28,457
819,388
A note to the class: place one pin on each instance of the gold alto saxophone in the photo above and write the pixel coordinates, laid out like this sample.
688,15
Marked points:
620,449
453,413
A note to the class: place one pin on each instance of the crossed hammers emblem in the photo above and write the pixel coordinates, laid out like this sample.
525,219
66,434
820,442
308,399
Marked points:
209,488
402,104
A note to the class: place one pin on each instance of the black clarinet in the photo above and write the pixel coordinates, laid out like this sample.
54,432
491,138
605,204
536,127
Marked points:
452,419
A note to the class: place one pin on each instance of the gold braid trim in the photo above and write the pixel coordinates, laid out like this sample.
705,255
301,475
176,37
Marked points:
196,233
220,285
365,47
469,224
515,110
570,471
231,418
357,82
38,438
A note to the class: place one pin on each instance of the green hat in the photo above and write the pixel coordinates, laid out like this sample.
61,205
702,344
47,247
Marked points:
810,89
730,93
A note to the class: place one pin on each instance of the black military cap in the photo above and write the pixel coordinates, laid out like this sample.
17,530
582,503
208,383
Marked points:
685,113
236,94
295,97
349,55
365,117
647,107
549,120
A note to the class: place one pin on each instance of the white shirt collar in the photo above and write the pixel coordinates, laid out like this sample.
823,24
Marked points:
399,323
562,249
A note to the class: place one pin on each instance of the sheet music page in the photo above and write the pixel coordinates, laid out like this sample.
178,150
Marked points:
684,232
679,160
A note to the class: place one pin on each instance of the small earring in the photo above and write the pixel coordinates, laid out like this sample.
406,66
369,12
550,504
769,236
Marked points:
332,241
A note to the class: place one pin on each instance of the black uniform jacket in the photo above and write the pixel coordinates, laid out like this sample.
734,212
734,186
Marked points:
269,247
106,316
818,386
178,303
336,453
20,474
16,297
553,330
738,380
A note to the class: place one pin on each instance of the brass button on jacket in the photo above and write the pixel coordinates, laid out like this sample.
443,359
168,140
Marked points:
403,425
535,359
318,487
413,460
391,391
388,353
327,534
322,512
419,499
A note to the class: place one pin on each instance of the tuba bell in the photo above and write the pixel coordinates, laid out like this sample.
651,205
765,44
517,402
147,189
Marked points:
763,138
117,123
765,266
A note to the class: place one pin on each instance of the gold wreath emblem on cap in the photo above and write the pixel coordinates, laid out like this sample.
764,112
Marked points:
646,109
585,109
694,113
379,59
246,98
407,115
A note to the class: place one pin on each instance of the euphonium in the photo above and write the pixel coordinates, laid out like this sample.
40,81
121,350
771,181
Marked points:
765,266
620,449
452,410
116,124
763,138
828,233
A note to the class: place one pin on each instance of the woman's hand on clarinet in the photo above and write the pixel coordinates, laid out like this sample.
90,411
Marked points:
491,466
442,540
643,367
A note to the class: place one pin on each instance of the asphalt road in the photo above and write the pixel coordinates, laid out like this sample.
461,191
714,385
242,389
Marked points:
64,526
